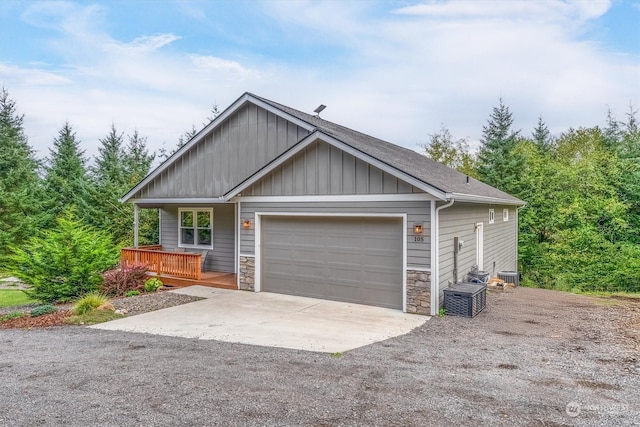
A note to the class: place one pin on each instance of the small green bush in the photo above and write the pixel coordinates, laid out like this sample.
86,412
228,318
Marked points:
63,263
43,309
132,293
89,303
12,315
152,284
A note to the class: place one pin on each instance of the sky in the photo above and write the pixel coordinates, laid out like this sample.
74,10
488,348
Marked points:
398,70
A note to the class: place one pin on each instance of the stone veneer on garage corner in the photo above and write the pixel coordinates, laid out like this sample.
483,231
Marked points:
247,273
419,292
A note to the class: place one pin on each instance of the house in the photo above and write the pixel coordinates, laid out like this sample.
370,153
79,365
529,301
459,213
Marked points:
295,204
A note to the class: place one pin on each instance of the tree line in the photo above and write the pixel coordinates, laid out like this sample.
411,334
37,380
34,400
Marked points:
579,231
580,228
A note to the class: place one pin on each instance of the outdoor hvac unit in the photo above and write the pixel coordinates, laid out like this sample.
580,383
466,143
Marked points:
465,299
510,277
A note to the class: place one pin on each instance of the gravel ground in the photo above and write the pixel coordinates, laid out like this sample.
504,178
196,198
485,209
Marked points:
518,363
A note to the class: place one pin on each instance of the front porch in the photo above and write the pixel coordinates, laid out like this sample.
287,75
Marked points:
176,269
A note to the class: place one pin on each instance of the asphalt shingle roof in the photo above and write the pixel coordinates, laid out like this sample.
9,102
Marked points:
403,159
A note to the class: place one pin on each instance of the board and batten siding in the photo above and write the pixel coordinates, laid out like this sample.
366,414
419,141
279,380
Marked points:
499,249
222,257
418,254
234,150
322,169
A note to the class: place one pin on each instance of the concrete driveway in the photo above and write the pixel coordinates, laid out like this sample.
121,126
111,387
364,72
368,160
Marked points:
272,320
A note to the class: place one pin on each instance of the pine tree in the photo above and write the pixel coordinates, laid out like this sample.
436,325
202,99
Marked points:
542,136
66,181
20,186
498,164
109,165
137,160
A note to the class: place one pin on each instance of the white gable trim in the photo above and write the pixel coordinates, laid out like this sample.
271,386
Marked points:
317,135
401,197
247,97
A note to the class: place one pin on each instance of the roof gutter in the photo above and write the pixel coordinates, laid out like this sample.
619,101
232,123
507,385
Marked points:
435,255
484,199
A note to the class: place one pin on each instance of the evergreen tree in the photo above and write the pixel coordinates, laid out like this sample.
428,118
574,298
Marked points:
109,165
20,186
542,136
498,166
66,181
137,160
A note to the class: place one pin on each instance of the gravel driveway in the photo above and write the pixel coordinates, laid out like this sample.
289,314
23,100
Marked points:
522,361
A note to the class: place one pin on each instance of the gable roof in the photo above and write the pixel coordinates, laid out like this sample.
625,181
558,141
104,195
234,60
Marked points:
451,182
439,180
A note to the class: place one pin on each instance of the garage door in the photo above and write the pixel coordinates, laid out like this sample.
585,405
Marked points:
355,260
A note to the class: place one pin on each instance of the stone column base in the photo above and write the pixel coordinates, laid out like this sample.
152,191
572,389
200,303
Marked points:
419,292
247,273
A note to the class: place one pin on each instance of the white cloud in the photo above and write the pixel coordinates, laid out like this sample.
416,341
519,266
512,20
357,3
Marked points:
408,71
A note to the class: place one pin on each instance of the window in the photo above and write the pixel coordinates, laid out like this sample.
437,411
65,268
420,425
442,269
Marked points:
195,229
492,216
505,214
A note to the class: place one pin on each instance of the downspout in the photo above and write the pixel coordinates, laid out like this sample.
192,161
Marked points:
435,257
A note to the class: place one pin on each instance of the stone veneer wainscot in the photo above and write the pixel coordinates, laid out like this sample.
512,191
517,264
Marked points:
418,292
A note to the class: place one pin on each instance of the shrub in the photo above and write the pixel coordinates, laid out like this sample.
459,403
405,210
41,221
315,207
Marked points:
43,309
63,263
119,281
152,284
12,315
89,303
133,293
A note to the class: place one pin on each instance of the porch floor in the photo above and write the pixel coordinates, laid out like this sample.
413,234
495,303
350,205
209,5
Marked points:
213,279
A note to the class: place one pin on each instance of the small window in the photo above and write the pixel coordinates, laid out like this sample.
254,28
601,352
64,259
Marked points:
195,229
505,214
492,216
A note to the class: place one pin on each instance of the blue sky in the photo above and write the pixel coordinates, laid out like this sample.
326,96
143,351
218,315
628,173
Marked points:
396,69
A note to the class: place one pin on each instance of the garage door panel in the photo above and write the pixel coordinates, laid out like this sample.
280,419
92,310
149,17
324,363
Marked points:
356,260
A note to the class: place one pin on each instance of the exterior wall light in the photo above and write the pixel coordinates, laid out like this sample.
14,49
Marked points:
417,228
246,223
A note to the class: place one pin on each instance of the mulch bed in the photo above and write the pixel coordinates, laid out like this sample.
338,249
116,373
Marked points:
133,305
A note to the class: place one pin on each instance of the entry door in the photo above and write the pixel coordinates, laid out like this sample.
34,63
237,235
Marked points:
479,245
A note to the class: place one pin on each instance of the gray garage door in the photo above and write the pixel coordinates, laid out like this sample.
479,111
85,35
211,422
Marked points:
355,260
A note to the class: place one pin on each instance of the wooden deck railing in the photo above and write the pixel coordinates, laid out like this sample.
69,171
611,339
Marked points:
180,264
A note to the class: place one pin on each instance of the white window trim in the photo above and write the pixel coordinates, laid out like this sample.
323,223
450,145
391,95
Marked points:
505,214
195,223
492,216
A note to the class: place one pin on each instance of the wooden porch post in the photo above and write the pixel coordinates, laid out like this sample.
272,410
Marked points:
135,225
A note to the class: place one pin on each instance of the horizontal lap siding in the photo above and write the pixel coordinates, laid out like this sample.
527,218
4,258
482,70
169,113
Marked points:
500,251
418,254
222,257
235,149
321,169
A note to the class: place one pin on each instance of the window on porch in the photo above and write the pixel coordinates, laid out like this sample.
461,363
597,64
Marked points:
195,228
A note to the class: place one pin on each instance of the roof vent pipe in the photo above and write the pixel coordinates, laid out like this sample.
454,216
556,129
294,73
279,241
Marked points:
467,179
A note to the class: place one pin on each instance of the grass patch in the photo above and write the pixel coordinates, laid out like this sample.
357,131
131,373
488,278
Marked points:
11,297
93,317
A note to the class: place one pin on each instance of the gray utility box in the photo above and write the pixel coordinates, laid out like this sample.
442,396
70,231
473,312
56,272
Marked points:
465,299
510,277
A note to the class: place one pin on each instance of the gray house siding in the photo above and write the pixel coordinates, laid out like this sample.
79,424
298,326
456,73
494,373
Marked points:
418,253
499,247
322,169
222,257
239,146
